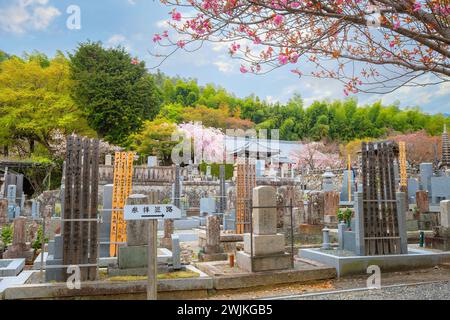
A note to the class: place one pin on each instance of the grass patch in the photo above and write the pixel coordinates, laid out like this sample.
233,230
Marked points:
164,276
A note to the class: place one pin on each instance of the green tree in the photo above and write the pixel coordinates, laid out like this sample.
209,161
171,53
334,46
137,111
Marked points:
35,104
155,139
116,94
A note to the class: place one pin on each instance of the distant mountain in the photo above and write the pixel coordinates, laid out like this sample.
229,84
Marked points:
447,115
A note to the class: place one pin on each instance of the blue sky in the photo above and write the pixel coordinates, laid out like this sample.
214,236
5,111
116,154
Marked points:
27,25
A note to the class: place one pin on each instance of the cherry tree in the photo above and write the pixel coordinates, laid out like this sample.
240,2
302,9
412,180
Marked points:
313,156
208,143
372,46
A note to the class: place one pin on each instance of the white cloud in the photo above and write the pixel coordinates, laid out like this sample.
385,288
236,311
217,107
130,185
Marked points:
118,40
224,66
24,15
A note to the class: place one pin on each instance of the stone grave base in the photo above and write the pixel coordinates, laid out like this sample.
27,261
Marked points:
438,243
18,252
11,267
205,257
228,241
226,277
136,257
264,244
37,261
271,262
346,263
136,272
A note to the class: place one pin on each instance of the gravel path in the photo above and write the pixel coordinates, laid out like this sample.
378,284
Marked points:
431,291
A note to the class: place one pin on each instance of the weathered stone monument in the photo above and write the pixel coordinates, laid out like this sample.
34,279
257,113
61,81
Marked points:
441,236
211,250
166,240
3,212
134,254
19,248
105,226
422,201
133,257
264,249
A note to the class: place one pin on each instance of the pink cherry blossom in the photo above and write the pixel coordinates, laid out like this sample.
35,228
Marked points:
283,59
278,20
417,7
157,38
176,15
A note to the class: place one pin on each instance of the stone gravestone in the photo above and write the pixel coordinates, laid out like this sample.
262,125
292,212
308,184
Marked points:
445,213
132,258
344,191
152,162
212,251
207,206
3,212
166,241
422,201
268,246
19,247
331,206
108,160
35,208
105,226
176,252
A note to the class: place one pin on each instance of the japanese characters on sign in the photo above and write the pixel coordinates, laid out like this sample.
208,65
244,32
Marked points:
151,212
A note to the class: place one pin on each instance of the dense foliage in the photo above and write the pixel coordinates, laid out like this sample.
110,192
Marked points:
36,104
104,92
115,91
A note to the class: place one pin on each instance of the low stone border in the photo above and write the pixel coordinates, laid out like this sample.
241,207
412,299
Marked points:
12,267
167,289
358,264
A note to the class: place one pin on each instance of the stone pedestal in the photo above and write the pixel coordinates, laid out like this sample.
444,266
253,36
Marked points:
267,252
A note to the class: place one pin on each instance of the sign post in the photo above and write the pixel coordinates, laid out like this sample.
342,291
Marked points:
152,213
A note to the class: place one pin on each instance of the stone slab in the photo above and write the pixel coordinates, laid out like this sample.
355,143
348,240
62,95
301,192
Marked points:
264,263
350,265
304,271
264,244
11,267
136,257
167,289
205,257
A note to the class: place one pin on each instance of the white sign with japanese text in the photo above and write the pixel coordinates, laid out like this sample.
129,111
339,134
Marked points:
151,212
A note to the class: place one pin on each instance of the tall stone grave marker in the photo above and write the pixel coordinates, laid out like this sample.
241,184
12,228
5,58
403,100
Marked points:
212,250
19,247
265,244
105,227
